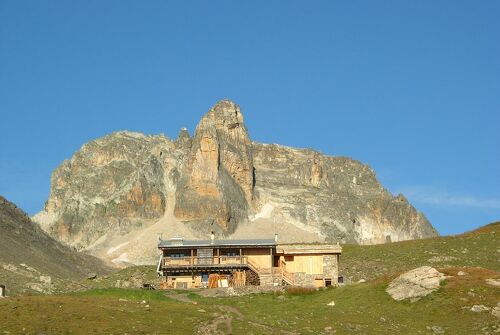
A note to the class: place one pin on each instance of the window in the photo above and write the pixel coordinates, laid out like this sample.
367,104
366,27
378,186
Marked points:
230,252
177,255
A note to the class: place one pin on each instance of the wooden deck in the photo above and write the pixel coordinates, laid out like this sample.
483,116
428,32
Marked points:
199,263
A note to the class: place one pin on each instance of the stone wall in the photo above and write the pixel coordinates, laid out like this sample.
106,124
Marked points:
331,267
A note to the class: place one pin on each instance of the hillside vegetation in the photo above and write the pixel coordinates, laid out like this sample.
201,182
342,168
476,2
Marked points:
478,248
359,309
32,262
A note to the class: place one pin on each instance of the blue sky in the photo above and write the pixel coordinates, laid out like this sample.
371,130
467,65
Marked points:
411,88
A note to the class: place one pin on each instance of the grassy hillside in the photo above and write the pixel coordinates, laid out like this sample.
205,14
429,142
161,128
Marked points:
359,309
33,262
479,248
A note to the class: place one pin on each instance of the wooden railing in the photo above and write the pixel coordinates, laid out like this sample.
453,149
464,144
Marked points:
201,261
276,272
285,275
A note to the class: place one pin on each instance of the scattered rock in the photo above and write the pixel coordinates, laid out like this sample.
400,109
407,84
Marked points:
329,330
121,299
331,303
362,281
461,273
436,330
92,276
201,310
46,280
479,308
493,282
415,284
496,310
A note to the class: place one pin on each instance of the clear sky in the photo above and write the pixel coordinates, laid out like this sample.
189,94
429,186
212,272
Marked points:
411,88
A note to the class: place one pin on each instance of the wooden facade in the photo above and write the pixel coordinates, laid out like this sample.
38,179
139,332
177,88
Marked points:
210,263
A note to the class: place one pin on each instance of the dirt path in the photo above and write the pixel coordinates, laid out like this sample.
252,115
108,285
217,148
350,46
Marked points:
222,324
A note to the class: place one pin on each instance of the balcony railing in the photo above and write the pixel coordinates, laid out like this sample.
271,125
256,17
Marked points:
204,261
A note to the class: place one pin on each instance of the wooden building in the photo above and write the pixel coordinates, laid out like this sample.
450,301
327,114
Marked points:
221,263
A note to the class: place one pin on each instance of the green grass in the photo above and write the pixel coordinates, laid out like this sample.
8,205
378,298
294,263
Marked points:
361,308
131,294
477,248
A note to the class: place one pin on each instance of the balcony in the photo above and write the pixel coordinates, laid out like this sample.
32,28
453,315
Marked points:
205,262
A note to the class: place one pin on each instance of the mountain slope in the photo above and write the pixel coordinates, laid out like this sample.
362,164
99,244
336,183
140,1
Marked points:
33,262
478,248
116,193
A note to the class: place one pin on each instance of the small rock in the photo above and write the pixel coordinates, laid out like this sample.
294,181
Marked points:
493,282
479,308
143,302
437,330
331,303
202,310
121,299
461,273
92,276
361,281
496,310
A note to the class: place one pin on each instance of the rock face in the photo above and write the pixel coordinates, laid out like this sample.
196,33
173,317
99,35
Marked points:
415,284
217,177
220,180
338,198
111,184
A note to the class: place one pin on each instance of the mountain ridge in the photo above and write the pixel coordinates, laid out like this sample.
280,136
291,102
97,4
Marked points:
220,180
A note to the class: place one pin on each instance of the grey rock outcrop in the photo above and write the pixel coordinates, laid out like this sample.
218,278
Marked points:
415,284
219,179
110,184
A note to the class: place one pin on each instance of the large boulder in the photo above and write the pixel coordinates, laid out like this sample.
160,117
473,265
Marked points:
415,284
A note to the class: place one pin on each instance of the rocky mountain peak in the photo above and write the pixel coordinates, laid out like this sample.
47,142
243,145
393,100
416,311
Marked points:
227,114
217,182
183,140
118,187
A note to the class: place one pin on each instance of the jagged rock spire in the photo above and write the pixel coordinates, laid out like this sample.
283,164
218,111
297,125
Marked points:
218,176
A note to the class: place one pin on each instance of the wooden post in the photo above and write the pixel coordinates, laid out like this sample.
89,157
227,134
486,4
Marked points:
192,257
271,253
218,256
241,257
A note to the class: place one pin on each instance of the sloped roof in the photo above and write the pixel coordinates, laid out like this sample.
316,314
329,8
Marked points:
179,243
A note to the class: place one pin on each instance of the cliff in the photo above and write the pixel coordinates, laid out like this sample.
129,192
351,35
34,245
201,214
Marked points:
116,193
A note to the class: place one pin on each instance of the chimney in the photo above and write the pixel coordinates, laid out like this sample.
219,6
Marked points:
212,236
276,237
